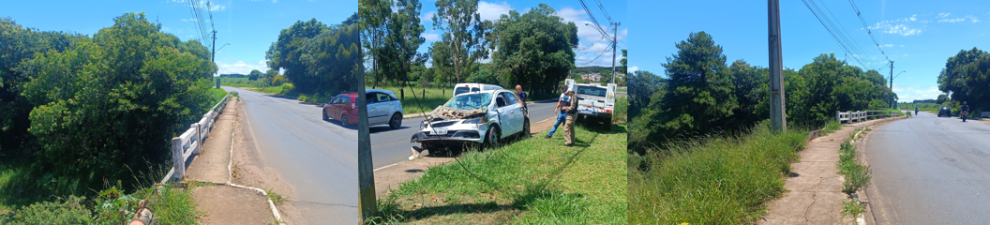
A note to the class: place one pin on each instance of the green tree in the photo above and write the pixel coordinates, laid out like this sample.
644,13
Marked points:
941,98
967,77
605,76
254,75
699,95
121,97
623,69
534,49
374,15
403,40
464,33
318,58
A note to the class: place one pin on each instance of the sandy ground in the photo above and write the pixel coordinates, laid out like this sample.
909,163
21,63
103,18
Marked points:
224,204
814,187
390,177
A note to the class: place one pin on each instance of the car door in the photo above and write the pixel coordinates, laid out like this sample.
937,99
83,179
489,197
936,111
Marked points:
516,113
505,114
374,111
387,106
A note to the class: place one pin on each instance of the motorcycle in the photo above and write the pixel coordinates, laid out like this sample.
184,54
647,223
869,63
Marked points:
964,114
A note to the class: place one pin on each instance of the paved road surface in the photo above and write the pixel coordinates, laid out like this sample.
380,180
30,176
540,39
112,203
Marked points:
930,170
317,158
391,146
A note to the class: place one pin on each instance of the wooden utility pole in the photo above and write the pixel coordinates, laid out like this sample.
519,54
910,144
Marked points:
890,100
367,205
777,107
615,40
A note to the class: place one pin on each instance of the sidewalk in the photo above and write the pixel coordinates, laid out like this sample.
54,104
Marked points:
221,203
814,187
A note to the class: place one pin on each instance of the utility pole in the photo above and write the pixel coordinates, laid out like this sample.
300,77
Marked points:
367,205
890,100
777,107
615,40
213,55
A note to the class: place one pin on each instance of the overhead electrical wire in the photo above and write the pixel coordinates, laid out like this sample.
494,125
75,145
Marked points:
868,31
823,19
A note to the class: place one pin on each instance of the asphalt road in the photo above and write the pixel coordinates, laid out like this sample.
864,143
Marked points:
317,158
930,170
391,146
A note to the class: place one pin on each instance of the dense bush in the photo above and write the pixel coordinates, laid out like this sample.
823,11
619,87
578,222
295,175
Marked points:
104,108
317,57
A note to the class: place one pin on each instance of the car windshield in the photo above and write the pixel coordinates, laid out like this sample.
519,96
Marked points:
469,101
589,90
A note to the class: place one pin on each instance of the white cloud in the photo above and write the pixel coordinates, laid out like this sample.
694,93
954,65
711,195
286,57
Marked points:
902,45
943,15
427,17
241,67
632,69
888,45
431,36
913,17
492,11
891,28
956,20
909,93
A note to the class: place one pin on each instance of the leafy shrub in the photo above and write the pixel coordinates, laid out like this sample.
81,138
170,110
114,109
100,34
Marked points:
67,211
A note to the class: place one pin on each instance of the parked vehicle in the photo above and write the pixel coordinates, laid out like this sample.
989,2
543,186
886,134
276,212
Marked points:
595,103
343,108
944,111
383,108
462,88
484,117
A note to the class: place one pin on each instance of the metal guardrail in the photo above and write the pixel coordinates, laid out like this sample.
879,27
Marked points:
191,141
860,116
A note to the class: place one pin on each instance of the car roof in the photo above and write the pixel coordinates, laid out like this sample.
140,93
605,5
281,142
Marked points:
378,90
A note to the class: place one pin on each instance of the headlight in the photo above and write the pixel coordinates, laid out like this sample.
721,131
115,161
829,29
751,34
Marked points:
422,125
473,121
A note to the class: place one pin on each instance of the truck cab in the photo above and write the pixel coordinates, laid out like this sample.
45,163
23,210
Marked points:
595,102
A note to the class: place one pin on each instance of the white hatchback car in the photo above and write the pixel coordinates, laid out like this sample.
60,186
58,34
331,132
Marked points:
484,117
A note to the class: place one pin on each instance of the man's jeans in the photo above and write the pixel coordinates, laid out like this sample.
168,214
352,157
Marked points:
560,119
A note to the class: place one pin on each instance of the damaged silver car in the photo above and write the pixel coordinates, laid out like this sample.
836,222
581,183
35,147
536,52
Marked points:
484,117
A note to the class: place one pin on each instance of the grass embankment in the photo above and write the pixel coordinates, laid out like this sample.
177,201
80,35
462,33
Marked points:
722,180
22,203
532,181
414,101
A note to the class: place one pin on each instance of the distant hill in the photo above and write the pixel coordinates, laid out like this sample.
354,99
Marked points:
234,75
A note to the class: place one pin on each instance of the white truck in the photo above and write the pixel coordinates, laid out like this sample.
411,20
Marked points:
595,102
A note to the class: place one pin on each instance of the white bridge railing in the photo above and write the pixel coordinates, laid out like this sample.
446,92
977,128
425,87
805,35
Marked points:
860,116
191,141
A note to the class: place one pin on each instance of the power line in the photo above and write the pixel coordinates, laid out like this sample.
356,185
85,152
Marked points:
593,20
868,31
829,29
840,32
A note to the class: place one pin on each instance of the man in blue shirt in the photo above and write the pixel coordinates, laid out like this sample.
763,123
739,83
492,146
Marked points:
964,111
563,101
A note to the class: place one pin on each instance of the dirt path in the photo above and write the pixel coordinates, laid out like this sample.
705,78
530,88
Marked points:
224,204
814,187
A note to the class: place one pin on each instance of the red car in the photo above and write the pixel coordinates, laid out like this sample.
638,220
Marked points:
343,108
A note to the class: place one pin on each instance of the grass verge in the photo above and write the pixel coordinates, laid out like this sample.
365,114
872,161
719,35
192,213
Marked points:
531,181
720,180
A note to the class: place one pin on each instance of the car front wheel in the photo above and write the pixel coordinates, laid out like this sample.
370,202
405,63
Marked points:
325,117
395,122
494,136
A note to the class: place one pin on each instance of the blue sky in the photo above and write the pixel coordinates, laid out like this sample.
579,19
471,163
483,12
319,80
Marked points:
248,26
919,36
570,10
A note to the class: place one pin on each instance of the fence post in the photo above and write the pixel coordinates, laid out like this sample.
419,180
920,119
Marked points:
199,137
838,118
178,163
402,94
443,92
424,93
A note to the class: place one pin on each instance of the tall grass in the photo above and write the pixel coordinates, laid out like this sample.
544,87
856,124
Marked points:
415,102
719,180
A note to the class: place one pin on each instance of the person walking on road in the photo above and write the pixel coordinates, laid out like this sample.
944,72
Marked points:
522,99
564,100
964,111
571,116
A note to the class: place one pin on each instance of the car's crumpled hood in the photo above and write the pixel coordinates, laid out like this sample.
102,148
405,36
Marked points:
448,113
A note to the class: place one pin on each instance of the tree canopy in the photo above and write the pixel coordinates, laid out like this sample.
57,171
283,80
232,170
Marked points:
318,58
534,49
